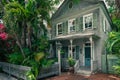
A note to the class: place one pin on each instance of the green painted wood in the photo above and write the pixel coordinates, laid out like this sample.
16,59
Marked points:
95,22
112,61
77,52
81,24
65,27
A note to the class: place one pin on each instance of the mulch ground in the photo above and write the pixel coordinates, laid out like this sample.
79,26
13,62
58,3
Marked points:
97,76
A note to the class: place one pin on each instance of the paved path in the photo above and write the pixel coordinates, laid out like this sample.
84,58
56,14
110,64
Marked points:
6,77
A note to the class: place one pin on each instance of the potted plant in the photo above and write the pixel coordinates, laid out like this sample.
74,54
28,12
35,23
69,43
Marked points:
71,63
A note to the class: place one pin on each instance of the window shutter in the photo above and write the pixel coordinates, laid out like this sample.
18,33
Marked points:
77,25
81,24
77,52
55,30
66,27
95,22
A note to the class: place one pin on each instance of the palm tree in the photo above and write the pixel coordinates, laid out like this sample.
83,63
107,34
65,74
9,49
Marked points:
113,42
27,18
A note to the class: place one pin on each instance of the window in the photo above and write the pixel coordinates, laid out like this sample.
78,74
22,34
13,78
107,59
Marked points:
71,25
88,21
59,28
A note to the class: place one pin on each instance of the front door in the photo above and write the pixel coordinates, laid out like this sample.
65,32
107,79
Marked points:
87,55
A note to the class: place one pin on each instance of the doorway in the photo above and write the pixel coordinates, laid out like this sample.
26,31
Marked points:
87,54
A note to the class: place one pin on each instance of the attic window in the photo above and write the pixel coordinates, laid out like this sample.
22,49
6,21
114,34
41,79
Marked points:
70,5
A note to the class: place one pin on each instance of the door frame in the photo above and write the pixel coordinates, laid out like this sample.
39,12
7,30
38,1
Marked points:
84,53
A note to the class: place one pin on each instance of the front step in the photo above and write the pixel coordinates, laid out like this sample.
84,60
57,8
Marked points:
84,72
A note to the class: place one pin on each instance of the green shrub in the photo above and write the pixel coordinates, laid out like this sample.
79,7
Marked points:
15,58
117,70
71,62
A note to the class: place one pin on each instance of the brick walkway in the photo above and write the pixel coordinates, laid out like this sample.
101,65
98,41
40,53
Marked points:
6,77
98,76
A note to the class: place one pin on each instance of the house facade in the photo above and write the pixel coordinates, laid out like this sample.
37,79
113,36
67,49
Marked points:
82,29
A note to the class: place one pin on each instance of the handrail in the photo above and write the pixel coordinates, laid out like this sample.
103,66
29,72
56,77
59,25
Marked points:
76,66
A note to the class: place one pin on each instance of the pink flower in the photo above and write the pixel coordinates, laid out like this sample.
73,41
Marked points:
3,36
2,26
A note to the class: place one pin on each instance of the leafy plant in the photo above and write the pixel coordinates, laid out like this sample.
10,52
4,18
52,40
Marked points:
71,62
30,76
15,58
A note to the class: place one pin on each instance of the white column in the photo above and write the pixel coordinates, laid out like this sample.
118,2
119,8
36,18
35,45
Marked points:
59,61
71,52
59,56
91,41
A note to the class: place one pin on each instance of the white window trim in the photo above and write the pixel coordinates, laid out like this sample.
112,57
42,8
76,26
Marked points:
69,24
104,24
57,28
91,14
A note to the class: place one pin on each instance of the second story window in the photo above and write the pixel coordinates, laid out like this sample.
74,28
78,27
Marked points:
88,21
71,25
59,28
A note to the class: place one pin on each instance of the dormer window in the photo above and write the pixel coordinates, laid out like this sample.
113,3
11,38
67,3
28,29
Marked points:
88,21
59,28
71,25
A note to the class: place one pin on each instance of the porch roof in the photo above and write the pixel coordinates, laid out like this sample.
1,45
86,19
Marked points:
74,36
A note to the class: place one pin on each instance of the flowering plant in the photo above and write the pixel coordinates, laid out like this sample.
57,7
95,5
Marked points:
3,35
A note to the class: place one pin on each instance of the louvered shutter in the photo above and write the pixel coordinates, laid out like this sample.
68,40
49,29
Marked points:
77,52
81,24
95,22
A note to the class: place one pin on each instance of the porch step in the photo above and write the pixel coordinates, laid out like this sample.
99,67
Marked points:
84,72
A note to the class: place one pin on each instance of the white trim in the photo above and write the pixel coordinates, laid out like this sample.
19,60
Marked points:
69,24
84,52
69,51
91,14
104,24
57,27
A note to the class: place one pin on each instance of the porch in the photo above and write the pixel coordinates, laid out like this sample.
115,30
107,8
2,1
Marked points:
82,50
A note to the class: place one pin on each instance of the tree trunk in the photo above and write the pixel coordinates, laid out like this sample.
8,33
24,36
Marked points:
19,45
29,35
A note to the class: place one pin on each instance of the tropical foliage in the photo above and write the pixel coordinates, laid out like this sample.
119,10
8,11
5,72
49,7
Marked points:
113,42
26,23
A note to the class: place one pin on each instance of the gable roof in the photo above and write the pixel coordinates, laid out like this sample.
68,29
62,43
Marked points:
89,2
65,2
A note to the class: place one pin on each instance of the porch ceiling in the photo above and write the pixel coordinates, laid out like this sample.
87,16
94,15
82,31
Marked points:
74,36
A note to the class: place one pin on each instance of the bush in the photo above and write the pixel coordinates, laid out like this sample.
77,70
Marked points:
71,62
117,70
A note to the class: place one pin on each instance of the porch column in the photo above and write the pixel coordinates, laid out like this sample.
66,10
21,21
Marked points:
59,56
71,53
92,56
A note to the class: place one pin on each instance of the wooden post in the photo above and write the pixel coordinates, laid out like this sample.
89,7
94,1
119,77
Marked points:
92,57
59,56
71,53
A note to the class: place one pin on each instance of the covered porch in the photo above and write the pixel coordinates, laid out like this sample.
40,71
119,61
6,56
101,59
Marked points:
81,49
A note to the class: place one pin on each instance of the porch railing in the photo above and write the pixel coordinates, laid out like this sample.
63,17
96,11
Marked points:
77,66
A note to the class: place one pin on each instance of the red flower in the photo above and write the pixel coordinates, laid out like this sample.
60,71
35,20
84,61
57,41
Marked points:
2,26
4,36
